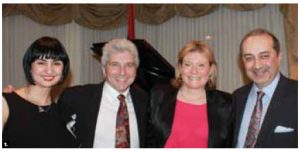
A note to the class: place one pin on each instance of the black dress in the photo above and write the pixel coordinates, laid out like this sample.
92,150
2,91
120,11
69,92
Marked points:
31,126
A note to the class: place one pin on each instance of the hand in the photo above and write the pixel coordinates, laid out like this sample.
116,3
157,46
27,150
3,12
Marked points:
8,89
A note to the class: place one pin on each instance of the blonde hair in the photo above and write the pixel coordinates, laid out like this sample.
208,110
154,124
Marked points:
203,48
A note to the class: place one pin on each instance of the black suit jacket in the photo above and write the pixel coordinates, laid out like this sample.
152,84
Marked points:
84,101
283,111
163,102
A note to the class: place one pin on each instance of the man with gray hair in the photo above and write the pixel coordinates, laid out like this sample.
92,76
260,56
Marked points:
114,112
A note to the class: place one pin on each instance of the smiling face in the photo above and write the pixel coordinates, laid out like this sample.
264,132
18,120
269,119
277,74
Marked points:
120,70
195,70
260,60
46,72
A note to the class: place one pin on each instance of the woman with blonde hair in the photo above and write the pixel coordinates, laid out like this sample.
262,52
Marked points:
191,113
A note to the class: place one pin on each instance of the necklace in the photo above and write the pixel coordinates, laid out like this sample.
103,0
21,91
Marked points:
44,108
40,108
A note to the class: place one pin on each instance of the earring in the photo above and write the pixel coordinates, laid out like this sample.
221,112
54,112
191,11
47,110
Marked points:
211,78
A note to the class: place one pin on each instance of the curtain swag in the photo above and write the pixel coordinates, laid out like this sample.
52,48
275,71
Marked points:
110,16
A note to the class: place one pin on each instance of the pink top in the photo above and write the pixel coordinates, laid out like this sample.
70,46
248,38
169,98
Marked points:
190,127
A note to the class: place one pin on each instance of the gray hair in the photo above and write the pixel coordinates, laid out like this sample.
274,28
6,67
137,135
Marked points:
118,45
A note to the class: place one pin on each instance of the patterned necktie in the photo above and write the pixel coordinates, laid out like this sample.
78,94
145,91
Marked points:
254,125
122,125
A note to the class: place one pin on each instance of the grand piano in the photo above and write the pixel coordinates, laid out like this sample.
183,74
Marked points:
153,67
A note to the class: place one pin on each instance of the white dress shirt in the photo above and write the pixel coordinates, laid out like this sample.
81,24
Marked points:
106,120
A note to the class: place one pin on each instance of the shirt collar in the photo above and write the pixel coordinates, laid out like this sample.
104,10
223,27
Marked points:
269,89
114,93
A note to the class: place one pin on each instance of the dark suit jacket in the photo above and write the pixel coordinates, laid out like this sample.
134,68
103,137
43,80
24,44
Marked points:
283,110
84,101
163,102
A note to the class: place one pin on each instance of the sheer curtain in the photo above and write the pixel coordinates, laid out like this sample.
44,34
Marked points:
223,29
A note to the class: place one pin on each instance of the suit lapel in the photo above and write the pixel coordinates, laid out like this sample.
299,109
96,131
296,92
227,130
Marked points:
136,100
94,110
214,112
240,101
278,98
169,105
140,100
210,114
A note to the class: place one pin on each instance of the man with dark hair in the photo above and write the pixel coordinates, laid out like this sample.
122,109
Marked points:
266,110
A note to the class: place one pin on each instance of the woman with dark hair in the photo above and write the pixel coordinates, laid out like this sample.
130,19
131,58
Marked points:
191,113
30,116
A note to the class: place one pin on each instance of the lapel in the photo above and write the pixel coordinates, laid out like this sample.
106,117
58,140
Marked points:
213,114
168,111
240,100
277,99
210,114
136,100
94,110
215,110
140,103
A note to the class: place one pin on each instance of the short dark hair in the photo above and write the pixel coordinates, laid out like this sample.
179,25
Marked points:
49,48
258,32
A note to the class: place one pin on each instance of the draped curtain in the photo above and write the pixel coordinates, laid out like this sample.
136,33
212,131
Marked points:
291,34
109,16
104,22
